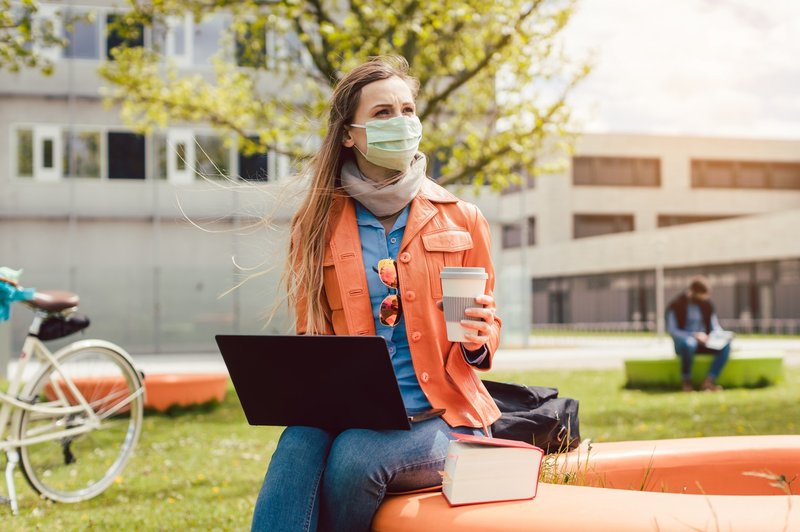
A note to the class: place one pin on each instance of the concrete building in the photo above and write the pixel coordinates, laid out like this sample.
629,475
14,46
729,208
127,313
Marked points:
145,228
607,243
128,222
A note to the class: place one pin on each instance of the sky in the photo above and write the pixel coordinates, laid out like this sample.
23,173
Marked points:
726,68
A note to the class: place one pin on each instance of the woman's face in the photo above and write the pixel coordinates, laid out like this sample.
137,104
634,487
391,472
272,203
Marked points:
380,100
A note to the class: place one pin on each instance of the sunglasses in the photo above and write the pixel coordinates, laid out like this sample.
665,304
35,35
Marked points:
390,310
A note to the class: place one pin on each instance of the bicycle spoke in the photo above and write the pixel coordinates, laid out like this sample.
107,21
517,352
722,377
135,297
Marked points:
85,450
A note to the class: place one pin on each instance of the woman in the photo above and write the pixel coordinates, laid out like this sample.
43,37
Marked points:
367,247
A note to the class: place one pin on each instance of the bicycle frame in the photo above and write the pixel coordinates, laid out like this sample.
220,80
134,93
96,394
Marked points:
12,405
67,412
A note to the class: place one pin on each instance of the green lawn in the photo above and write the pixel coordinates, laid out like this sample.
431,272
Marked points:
646,334
202,470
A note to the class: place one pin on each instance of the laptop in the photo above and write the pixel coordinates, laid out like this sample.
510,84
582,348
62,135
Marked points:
331,382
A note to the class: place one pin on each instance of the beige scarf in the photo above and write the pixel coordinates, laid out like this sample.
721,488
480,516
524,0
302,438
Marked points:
386,198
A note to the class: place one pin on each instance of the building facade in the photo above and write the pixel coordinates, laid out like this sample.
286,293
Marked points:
607,243
155,232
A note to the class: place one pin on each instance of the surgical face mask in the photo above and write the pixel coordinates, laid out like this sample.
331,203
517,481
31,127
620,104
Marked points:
392,143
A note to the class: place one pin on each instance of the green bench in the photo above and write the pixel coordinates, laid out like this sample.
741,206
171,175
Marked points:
742,371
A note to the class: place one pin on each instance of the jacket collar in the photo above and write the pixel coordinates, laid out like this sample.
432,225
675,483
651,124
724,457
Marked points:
436,193
342,214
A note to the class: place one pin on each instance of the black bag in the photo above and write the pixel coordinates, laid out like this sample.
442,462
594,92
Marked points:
60,326
535,414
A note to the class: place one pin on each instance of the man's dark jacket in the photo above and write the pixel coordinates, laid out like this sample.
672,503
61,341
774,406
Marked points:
680,306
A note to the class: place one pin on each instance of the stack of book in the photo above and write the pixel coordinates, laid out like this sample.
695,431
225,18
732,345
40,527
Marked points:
481,469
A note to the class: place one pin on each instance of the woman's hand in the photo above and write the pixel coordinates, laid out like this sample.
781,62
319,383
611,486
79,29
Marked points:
478,339
481,336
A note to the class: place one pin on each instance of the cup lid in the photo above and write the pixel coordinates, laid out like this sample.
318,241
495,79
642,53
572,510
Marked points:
458,272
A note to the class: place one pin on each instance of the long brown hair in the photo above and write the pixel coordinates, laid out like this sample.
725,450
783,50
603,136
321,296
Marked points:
303,271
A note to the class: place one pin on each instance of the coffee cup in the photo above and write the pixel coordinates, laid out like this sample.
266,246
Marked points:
460,287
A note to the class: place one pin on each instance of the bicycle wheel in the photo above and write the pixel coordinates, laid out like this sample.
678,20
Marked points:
75,467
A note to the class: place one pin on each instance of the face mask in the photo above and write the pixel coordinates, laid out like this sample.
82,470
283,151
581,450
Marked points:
392,143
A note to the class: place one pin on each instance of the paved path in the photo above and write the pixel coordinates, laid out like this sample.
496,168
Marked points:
544,352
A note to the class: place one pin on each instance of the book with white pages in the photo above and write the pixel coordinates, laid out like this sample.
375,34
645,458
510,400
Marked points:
480,469
719,339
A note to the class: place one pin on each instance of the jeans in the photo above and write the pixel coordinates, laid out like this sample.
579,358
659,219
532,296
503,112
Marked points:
687,347
323,480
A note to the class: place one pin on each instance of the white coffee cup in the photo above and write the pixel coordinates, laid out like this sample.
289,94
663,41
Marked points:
460,287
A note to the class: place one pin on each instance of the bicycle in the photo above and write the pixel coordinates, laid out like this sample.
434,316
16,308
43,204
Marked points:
75,423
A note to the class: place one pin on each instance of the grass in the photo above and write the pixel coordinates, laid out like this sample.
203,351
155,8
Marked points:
558,333
201,469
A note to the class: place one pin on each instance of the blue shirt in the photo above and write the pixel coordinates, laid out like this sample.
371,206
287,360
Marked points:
694,322
377,245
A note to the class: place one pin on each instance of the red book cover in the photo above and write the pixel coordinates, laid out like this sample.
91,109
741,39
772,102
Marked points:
500,442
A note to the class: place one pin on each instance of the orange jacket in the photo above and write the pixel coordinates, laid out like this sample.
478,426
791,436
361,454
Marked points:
441,231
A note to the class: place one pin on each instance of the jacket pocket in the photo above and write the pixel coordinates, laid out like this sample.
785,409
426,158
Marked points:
444,247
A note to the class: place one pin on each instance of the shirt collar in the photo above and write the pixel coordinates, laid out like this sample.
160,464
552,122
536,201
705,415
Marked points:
365,218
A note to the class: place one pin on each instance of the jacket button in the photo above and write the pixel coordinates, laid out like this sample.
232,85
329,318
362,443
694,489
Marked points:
405,257
416,335
425,377
411,295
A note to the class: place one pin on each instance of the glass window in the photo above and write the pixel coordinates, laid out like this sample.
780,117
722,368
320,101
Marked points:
668,220
119,34
253,167
648,172
582,170
206,39
752,175
558,307
746,174
160,156
125,156
82,154
785,176
713,174
531,231
512,237
180,150
83,37
588,225
718,174
212,157
25,152
616,171
47,153
789,271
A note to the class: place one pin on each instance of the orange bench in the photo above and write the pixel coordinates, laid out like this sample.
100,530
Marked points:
681,484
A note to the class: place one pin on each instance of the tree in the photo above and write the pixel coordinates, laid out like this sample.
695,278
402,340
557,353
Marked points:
23,34
493,79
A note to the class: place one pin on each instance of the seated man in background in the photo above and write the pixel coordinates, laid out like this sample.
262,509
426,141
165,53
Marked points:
690,320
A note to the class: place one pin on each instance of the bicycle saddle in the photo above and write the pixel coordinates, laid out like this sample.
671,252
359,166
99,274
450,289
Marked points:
54,300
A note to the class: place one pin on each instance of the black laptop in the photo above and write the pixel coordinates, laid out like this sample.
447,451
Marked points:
331,382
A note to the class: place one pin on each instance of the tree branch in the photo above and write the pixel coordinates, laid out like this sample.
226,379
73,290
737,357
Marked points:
487,158
467,75
319,58
407,13
355,9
